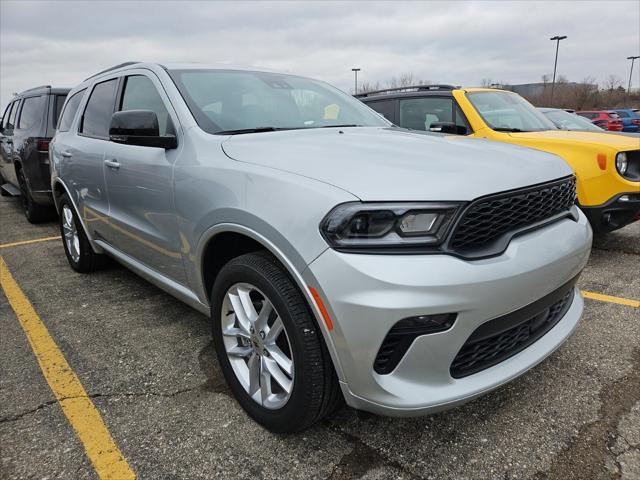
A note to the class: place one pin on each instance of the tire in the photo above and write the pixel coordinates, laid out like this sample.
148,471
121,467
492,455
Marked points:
3,192
314,390
35,213
77,248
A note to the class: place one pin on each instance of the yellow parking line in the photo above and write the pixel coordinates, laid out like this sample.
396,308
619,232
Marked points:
27,242
607,298
76,405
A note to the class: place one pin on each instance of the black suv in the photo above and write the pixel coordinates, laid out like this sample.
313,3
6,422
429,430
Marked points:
416,106
28,124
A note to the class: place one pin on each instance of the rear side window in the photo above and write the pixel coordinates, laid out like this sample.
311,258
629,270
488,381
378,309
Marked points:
386,108
32,112
70,111
57,108
140,94
623,114
420,113
5,117
11,122
99,109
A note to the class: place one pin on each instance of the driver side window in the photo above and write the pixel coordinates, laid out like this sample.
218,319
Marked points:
140,94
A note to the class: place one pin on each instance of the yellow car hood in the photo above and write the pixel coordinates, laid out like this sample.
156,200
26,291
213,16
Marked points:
618,142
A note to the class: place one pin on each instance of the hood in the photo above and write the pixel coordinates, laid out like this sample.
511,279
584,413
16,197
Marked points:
378,164
613,140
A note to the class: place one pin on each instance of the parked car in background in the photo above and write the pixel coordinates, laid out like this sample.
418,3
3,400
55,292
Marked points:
630,119
564,120
603,119
29,122
337,255
607,166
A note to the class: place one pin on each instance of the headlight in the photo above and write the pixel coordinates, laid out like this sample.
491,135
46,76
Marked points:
621,163
388,225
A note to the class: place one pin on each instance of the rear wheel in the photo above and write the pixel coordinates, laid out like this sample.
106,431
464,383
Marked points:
79,253
35,213
270,350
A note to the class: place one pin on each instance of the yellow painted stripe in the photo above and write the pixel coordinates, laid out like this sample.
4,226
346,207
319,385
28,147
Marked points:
27,242
76,405
607,298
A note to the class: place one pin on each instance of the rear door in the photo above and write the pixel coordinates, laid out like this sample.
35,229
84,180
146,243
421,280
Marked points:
142,218
85,155
28,146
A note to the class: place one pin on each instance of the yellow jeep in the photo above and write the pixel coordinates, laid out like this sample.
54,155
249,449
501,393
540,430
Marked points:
607,165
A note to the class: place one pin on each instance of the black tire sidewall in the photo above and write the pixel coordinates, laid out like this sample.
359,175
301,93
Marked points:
295,408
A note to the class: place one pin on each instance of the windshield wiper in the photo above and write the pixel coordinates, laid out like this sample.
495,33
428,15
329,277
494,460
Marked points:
508,129
339,126
252,130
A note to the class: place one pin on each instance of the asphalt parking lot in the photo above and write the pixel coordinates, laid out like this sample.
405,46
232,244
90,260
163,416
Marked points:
147,363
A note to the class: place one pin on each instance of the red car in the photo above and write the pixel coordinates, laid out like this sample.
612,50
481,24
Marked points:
607,120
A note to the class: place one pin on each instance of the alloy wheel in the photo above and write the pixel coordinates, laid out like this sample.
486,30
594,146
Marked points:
71,239
257,346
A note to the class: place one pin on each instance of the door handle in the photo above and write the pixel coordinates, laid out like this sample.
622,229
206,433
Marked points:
66,154
113,164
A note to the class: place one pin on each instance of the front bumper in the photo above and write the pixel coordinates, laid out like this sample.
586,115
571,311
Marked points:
367,294
614,214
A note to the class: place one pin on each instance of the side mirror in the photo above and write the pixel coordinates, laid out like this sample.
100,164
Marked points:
448,127
139,127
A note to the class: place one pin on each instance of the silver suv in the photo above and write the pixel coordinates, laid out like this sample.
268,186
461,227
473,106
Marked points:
337,256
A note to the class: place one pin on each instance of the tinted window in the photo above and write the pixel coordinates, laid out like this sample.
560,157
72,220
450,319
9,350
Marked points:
5,117
587,115
70,111
32,112
223,100
11,122
386,108
97,114
57,108
420,113
140,94
623,114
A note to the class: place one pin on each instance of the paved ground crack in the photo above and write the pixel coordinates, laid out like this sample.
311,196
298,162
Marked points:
18,416
586,456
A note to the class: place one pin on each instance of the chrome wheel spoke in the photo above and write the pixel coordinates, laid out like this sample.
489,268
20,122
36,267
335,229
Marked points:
263,316
241,317
254,374
277,374
274,331
281,359
235,332
240,351
247,305
265,382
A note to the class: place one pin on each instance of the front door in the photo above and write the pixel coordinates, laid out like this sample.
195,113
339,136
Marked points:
7,168
142,218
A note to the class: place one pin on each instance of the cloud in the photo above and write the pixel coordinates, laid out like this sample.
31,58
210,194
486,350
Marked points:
451,42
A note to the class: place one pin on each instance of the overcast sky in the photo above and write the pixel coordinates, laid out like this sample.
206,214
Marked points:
61,43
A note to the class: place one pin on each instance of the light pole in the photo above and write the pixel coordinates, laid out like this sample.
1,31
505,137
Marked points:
633,59
355,70
555,64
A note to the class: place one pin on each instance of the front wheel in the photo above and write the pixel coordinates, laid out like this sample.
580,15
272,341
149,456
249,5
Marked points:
269,348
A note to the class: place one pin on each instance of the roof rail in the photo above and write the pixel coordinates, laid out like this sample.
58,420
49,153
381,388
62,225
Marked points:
410,88
120,65
34,88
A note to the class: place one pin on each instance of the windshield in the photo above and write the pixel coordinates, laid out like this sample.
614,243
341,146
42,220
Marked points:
232,101
509,112
570,121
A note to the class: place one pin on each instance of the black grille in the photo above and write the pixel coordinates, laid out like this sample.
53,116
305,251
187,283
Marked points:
490,219
503,337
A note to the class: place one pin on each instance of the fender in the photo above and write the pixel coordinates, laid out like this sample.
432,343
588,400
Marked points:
295,274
